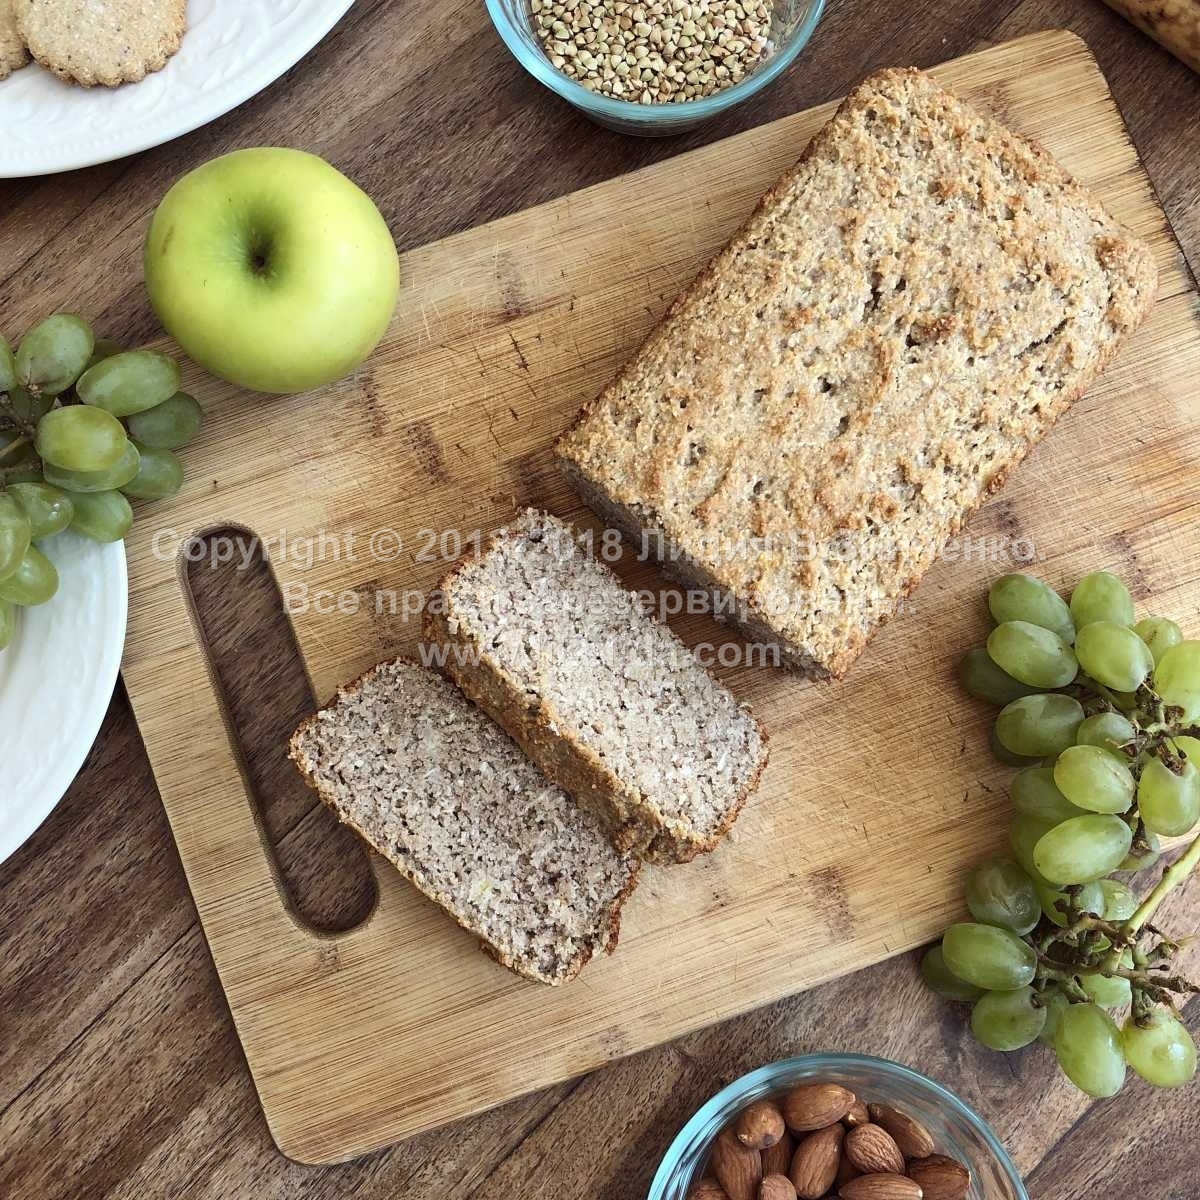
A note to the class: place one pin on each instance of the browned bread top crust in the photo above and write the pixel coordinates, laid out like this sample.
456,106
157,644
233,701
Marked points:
904,315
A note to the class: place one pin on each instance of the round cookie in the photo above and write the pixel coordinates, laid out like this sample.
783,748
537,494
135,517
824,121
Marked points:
12,49
107,42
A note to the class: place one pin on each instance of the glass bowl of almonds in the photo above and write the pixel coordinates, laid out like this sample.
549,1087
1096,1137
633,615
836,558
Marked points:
655,67
844,1126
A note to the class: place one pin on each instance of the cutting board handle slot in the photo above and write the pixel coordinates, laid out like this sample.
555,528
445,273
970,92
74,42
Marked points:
320,870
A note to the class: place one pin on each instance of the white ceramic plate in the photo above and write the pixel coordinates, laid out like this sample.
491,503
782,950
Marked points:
56,679
232,50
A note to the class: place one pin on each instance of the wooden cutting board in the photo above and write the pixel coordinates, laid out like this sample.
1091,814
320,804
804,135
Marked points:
880,790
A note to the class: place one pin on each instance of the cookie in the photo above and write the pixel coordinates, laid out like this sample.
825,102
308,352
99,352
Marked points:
12,50
107,42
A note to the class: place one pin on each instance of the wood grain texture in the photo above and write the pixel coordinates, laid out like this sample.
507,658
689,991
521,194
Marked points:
104,978
502,332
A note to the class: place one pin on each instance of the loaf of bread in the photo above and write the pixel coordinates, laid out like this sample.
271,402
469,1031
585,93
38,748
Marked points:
437,788
604,698
906,313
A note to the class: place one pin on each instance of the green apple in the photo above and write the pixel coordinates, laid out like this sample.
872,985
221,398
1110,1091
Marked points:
272,270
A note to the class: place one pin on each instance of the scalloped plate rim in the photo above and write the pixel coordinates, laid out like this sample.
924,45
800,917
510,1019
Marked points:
197,109
103,632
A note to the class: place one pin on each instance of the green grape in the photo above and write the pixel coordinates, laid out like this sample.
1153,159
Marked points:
1040,726
102,516
104,348
79,438
47,509
8,366
1000,893
1113,655
28,406
1055,1002
1161,1051
1001,753
991,958
34,582
981,678
116,476
1187,748
1101,596
940,979
1108,730
1169,804
1138,859
1087,1044
15,535
1032,655
131,382
1159,633
1120,901
159,475
8,624
1007,1020
174,423
1083,848
1033,791
53,355
1177,678
1107,991
1024,833
1094,779
1089,899
1018,597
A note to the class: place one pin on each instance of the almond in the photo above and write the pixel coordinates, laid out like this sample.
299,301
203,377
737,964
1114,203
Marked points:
776,1187
810,1106
846,1172
941,1178
816,1161
777,1159
707,1189
872,1150
858,1115
760,1126
738,1168
914,1140
881,1187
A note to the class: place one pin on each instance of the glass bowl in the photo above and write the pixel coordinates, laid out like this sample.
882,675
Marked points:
791,27
957,1131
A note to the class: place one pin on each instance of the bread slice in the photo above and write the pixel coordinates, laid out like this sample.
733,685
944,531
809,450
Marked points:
605,699
907,312
405,760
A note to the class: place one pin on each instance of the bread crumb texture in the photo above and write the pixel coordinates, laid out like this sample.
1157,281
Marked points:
440,791
604,697
906,313
107,42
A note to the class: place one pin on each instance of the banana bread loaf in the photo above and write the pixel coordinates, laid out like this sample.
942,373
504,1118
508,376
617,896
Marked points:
907,312
410,764
604,698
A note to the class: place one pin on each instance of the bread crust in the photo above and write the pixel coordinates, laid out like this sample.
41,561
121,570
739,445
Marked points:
612,911
622,453
535,724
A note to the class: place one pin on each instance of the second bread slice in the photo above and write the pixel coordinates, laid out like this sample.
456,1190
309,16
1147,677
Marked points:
605,699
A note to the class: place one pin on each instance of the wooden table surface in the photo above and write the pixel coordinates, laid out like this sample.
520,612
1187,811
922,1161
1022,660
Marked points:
120,1074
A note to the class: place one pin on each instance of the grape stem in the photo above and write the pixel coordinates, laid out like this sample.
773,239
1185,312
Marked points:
1176,874
16,444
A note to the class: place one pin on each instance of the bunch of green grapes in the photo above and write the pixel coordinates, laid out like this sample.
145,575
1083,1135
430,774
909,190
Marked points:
1099,711
84,428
